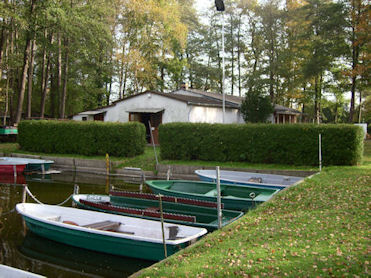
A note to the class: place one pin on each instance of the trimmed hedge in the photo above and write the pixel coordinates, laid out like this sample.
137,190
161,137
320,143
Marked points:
85,138
295,144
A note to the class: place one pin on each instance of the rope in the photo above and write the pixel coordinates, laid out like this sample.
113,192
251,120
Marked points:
8,212
37,201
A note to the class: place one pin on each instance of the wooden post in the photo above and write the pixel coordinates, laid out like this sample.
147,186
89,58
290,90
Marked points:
107,173
15,172
219,202
153,141
24,194
162,225
320,152
76,190
168,173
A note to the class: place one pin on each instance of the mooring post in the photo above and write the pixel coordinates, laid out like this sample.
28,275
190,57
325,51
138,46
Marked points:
162,225
168,173
219,201
24,194
15,171
76,189
320,152
107,173
153,142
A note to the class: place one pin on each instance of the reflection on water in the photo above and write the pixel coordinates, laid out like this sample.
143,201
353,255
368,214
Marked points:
27,251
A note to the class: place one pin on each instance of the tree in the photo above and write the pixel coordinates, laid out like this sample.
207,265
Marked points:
256,108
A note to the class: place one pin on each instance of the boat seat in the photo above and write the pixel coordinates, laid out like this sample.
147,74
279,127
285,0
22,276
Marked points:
104,225
54,218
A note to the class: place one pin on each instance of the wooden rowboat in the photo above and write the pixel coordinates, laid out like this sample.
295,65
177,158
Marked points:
11,272
249,178
107,233
9,168
192,215
233,197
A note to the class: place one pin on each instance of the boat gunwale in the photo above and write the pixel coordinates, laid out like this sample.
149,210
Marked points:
236,214
236,182
228,197
82,229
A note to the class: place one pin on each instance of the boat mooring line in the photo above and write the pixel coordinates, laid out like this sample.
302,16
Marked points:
37,201
8,212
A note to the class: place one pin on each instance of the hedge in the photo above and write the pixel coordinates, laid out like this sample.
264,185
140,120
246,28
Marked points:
295,144
85,138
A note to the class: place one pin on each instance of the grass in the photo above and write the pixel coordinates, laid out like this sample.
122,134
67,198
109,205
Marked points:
320,228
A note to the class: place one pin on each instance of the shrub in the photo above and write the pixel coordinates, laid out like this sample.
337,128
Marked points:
262,143
85,138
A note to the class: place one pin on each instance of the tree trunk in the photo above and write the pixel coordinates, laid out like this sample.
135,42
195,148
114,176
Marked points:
43,69
30,79
59,75
239,56
46,81
65,82
24,69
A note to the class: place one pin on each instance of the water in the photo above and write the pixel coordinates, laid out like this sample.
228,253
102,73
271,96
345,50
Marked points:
22,249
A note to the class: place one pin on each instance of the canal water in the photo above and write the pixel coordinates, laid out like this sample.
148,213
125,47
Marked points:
24,250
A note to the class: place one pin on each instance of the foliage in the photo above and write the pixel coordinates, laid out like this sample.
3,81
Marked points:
86,138
318,228
256,108
262,143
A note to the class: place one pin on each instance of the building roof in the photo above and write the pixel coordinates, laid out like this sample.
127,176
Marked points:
279,109
191,100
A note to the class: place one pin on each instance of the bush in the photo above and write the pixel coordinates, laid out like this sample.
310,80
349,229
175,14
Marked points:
85,138
262,143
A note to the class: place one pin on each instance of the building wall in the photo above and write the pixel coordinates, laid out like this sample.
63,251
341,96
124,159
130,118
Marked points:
202,114
175,111
80,117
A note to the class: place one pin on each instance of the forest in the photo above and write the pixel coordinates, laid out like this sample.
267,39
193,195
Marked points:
58,58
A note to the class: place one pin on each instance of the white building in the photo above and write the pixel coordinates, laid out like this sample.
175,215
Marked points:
157,108
183,105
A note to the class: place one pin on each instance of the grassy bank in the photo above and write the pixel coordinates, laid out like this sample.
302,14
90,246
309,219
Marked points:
319,228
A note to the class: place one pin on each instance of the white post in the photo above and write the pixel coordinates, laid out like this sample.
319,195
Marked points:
15,172
219,202
320,152
223,68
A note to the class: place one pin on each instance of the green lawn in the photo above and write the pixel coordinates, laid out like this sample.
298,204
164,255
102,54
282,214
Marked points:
320,228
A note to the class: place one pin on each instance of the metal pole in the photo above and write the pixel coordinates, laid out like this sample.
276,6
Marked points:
219,203
153,141
107,173
320,152
162,225
223,68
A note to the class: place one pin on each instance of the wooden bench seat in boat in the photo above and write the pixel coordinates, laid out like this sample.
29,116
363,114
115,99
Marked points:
104,225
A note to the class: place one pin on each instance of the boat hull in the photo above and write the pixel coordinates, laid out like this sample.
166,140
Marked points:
247,178
10,168
102,241
32,165
149,209
233,197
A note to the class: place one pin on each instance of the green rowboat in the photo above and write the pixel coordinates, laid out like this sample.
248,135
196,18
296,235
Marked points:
234,197
107,233
192,215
